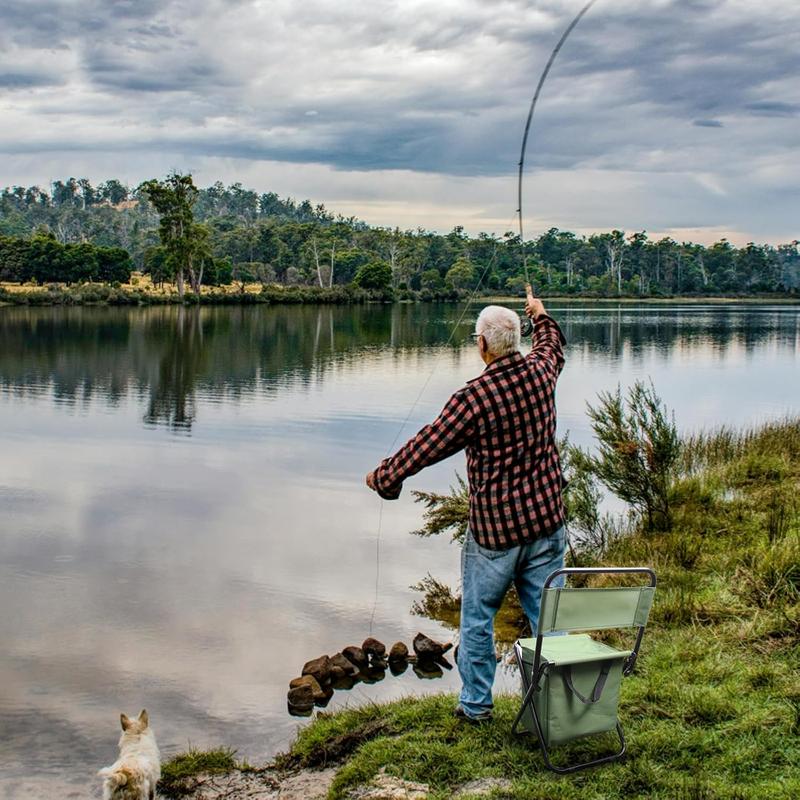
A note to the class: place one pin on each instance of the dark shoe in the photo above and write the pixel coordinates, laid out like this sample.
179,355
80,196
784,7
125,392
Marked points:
481,719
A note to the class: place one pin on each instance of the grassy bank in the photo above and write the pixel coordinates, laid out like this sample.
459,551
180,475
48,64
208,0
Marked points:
713,710
141,291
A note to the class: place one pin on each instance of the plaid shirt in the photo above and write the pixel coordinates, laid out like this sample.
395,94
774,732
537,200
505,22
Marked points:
506,420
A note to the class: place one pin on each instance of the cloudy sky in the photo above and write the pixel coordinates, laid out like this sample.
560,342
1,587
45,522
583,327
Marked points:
674,116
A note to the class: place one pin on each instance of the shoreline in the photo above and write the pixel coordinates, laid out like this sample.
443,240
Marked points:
97,294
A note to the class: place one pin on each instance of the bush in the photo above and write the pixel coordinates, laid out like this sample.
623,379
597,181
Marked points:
638,451
430,280
445,512
376,275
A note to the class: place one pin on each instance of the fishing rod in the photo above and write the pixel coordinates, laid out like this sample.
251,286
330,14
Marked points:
527,325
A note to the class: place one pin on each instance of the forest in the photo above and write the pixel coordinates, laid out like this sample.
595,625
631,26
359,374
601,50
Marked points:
170,229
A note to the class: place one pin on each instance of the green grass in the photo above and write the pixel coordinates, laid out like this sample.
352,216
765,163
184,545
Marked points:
701,722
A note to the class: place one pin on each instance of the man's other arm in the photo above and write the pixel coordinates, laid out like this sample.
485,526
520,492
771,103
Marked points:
446,435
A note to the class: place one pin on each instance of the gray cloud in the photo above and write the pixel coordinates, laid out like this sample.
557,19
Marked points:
26,80
442,89
768,108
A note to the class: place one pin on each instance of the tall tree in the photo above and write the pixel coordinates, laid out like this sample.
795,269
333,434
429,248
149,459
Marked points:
186,241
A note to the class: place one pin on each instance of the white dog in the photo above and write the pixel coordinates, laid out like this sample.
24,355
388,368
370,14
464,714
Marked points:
134,775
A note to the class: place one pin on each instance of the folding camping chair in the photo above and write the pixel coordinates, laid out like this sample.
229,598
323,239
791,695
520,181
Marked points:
571,683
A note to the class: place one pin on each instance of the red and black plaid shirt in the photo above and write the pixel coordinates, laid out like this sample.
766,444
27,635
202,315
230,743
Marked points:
506,420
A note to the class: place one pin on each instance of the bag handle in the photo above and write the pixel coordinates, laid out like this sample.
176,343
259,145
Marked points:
598,687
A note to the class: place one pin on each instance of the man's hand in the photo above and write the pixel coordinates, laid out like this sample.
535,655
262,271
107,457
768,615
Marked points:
371,481
533,305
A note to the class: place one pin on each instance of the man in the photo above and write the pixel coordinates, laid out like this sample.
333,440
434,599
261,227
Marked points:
506,420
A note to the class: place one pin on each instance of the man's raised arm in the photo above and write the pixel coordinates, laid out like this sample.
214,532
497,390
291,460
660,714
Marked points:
548,341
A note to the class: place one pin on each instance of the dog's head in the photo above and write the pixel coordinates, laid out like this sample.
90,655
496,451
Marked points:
134,726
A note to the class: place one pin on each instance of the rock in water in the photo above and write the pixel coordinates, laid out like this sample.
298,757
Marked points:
373,648
355,655
342,662
443,662
399,652
325,699
427,648
320,668
308,680
301,697
300,711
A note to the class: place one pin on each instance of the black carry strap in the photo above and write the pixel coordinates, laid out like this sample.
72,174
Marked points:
598,687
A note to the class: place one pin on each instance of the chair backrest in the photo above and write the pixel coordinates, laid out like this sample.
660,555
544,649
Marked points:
568,609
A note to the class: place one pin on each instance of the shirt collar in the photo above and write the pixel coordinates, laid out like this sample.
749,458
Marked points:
505,362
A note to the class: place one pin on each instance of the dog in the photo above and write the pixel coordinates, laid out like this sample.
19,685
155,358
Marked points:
134,775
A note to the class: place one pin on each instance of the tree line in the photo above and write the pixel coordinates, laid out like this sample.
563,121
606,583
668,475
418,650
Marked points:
42,259
180,233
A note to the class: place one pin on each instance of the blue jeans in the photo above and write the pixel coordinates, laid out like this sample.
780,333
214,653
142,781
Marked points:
486,576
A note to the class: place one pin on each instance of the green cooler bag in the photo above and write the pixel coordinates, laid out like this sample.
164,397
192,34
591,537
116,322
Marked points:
579,689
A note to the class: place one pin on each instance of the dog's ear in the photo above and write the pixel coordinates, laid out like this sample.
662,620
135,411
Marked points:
143,718
125,721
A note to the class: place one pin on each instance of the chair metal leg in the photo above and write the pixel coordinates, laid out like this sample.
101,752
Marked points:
528,686
525,702
586,764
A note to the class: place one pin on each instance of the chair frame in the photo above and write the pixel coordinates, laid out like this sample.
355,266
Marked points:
537,669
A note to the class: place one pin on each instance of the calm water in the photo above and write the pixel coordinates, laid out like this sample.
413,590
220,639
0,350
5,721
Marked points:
183,520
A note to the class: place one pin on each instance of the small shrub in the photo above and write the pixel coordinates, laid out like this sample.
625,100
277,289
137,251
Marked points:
445,512
638,451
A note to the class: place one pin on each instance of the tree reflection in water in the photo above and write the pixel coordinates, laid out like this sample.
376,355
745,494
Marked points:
167,355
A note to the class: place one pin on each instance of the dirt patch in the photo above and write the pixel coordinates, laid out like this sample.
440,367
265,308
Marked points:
259,785
386,787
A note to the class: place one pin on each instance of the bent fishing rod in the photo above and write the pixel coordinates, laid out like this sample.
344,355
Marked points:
527,325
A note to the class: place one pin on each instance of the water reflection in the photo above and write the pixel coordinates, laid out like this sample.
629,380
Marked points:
183,520
168,354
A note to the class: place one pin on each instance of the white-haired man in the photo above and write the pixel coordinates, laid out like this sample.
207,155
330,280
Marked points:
505,419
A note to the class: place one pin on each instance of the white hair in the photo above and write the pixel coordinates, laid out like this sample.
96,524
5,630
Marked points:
500,328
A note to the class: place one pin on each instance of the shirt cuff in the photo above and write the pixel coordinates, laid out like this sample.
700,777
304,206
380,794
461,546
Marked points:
383,487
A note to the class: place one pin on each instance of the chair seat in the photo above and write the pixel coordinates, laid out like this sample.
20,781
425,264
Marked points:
573,649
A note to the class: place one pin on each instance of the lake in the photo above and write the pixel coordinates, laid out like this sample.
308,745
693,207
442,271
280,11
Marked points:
183,520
